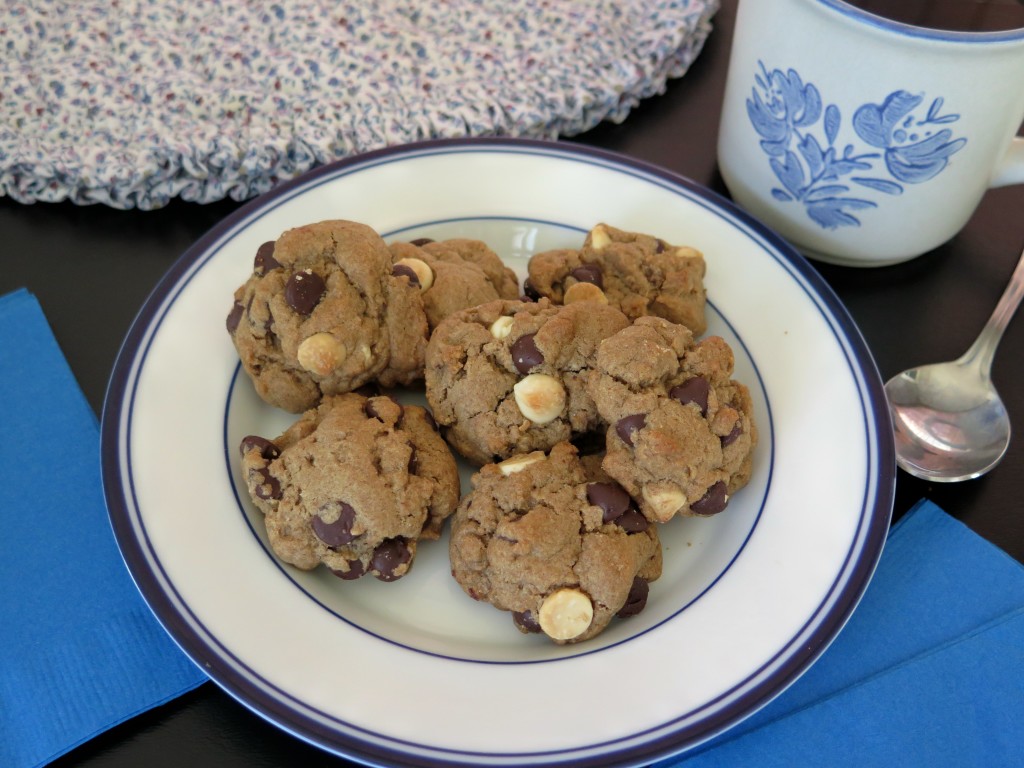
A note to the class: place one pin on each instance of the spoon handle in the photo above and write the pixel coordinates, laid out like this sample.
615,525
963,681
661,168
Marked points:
983,350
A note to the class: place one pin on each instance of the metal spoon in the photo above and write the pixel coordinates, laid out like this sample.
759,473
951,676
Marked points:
949,422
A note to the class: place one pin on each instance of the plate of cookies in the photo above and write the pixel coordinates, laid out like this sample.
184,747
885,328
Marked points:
497,452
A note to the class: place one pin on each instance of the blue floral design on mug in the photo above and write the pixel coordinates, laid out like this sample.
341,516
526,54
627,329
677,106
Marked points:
912,146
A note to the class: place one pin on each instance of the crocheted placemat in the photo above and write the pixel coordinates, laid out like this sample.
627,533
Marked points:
130,103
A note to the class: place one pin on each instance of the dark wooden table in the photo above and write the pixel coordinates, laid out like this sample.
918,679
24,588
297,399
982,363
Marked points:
92,269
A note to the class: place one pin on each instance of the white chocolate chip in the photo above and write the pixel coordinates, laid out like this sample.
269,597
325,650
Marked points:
584,292
519,463
423,271
321,354
565,614
366,353
501,327
599,239
686,252
540,397
663,500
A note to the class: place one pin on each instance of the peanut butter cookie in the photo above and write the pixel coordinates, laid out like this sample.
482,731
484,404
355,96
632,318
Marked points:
510,377
682,430
323,314
354,484
454,274
637,273
563,555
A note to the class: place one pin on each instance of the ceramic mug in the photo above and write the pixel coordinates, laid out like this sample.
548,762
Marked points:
865,141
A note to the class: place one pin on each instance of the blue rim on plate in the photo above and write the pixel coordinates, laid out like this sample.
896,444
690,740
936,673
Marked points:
684,732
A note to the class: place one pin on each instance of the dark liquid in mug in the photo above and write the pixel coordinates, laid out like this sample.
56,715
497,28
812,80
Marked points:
953,15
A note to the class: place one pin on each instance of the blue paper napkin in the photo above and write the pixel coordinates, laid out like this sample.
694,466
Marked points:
929,671
79,649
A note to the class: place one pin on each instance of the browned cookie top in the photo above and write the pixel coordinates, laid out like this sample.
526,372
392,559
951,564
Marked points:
682,430
564,555
353,484
637,273
511,377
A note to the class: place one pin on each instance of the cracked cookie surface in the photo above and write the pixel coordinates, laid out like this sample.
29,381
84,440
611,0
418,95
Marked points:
510,377
682,430
637,273
564,555
354,484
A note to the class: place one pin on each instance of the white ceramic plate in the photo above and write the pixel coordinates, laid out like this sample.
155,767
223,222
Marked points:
414,672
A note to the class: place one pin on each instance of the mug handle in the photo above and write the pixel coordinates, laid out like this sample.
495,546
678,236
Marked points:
1011,168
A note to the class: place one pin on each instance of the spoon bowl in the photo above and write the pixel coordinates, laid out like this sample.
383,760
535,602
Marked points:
948,420
948,426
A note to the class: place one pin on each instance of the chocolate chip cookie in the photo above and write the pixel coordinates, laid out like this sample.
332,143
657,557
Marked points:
510,377
453,274
563,555
322,314
353,484
637,273
682,430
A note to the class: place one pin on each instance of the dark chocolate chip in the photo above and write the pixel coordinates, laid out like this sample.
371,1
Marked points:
268,486
625,427
525,354
404,270
338,532
636,600
589,273
525,621
610,497
304,291
268,450
421,241
265,261
632,521
529,292
694,391
388,557
413,462
617,505
736,431
355,570
712,502
661,246
234,317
